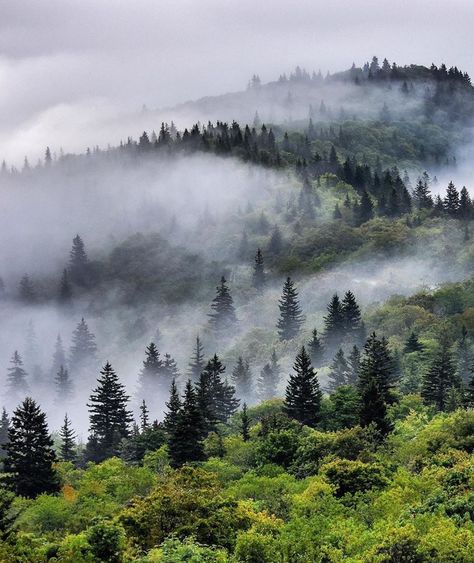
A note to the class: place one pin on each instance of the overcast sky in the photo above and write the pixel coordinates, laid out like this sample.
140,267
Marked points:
69,68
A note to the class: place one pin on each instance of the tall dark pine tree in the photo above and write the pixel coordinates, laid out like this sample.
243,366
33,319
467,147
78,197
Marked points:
173,408
78,262
451,201
354,365
291,318
109,417
144,417
242,378
59,356
303,395
17,384
185,439
440,379
151,380
4,426
245,424
373,408
267,383
316,349
377,362
365,210
334,324
216,397
83,352
412,344
258,277
30,453
68,451
352,321
340,372
197,364
63,386
223,316
65,289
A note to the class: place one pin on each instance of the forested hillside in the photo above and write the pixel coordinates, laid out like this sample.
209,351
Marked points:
260,345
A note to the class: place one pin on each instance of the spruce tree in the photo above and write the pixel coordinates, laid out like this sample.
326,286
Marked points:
17,385
169,371
223,316
242,378
377,363
334,324
185,440
291,318
245,424
4,426
351,317
30,453
316,350
412,344
267,383
65,289
354,365
451,201
339,371
258,271
63,386
144,417
439,379
373,408
303,395
59,356
173,407
68,450
422,194
109,417
83,351
151,380
196,365
365,210
78,262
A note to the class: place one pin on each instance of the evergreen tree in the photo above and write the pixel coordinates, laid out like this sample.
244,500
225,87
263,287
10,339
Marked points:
223,317
464,358
451,201
17,385
377,364
267,383
216,397
439,379
339,374
59,356
4,427
354,365
275,245
351,317
412,344
245,424
30,453
78,262
258,271
27,290
274,364
109,416
196,365
83,351
373,408
173,407
291,318
65,289
63,386
334,323
144,417
422,194
151,380
316,350
68,441
184,442
465,204
242,378
365,210
303,395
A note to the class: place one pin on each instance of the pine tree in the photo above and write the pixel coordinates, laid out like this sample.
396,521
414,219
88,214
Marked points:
196,365
465,204
354,365
316,349
4,426
59,356
377,364
151,380
258,271
267,383
365,210
30,453
173,407
451,201
412,344
223,317
63,386
169,370
17,385
334,324
83,351
339,374
185,441
242,378
144,417
422,194
291,318
65,289
109,417
79,262
245,424
68,441
439,379
351,317
373,408
27,290
303,395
